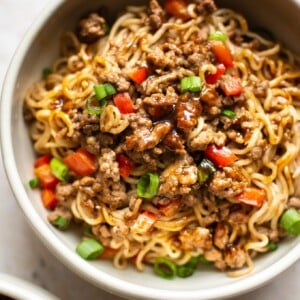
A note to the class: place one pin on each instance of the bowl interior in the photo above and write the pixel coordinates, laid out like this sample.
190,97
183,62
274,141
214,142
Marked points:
38,50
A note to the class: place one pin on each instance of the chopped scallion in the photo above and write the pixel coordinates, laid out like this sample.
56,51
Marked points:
104,90
61,223
34,183
184,271
228,113
188,269
205,170
148,185
272,246
87,229
59,169
89,249
290,221
165,268
218,36
204,261
46,72
191,84
95,107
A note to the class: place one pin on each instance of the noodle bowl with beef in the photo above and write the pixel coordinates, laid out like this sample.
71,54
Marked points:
171,137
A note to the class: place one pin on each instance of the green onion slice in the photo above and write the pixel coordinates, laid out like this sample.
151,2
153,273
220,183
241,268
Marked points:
228,113
218,36
95,107
61,223
188,269
46,72
164,268
193,262
184,271
87,229
272,246
34,183
191,84
205,169
290,221
89,249
59,169
147,186
204,261
104,90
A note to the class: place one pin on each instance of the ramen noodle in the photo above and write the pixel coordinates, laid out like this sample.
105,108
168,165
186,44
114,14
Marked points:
171,137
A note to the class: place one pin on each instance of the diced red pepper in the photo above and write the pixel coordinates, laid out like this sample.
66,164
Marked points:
144,222
232,86
213,78
222,53
171,208
177,9
45,176
81,162
124,103
252,196
125,165
139,75
43,160
49,198
221,156
108,253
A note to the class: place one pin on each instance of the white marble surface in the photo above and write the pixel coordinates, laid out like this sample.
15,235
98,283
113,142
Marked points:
21,253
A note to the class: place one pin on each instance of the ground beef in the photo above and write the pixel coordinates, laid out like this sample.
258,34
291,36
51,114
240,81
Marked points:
227,183
160,105
273,235
294,202
156,17
235,257
195,238
205,6
60,211
178,177
90,29
207,136
167,56
221,235
65,192
113,191
260,89
147,158
146,138
174,142
108,166
103,233
116,77
214,255
238,215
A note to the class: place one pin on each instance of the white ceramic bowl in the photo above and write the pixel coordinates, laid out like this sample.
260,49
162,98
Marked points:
18,289
37,50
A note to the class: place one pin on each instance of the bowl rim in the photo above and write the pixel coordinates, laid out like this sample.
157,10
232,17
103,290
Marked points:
20,289
58,248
